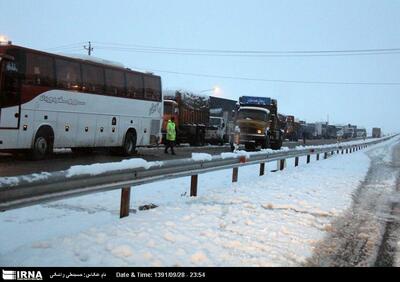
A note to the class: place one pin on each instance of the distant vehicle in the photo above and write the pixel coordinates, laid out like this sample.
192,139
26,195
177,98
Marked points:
361,133
192,115
308,130
215,131
345,131
376,132
257,124
329,131
292,129
224,108
52,101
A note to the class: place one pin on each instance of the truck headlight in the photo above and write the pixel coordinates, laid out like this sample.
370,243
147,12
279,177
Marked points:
259,131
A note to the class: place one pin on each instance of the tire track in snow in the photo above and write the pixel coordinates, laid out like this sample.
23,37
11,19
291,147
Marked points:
358,237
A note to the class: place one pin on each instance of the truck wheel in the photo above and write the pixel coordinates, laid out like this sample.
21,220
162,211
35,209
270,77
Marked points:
276,146
250,146
265,143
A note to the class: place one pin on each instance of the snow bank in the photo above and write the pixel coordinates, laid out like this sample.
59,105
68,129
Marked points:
95,169
273,220
201,157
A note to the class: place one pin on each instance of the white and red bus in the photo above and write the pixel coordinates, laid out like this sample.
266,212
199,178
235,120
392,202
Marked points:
51,101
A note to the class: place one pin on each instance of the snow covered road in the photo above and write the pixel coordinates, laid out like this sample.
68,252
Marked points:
366,234
275,220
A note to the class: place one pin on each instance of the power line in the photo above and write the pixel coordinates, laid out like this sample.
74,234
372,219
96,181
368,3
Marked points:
278,80
229,53
174,50
66,46
149,51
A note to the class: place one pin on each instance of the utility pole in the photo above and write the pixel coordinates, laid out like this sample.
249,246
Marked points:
89,49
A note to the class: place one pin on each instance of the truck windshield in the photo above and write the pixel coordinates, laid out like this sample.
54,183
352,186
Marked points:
252,115
215,121
168,108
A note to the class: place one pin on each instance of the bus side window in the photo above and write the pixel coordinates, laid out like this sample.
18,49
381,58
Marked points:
152,88
93,79
115,83
39,70
68,75
134,85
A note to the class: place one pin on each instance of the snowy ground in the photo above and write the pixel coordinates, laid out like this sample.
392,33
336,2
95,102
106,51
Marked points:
274,220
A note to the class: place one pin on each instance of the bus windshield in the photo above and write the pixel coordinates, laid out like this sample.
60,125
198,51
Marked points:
253,115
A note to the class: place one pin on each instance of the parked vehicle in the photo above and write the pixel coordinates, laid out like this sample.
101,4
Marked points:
215,131
224,108
257,124
292,129
361,133
192,115
376,132
52,101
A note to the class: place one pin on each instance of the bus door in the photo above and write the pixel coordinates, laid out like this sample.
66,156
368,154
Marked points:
9,95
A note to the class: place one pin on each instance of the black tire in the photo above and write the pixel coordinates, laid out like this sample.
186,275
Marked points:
250,146
265,144
129,146
276,146
42,145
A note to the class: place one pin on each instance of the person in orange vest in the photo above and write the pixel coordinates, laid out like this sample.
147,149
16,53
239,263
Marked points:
171,136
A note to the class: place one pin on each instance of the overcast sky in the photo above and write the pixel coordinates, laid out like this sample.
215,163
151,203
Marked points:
237,25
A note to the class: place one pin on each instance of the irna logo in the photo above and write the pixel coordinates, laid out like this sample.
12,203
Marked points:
22,275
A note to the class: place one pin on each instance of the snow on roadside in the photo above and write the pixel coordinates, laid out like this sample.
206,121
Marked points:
274,220
95,169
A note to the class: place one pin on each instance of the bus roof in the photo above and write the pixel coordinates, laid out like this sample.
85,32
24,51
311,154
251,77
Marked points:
78,57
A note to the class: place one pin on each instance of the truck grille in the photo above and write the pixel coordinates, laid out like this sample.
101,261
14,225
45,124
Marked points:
248,130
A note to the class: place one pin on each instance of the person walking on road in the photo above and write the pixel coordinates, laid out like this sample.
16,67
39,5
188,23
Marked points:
171,136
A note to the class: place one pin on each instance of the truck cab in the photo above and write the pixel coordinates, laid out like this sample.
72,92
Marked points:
216,130
257,124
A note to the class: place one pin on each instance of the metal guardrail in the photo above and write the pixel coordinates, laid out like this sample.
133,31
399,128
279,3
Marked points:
30,190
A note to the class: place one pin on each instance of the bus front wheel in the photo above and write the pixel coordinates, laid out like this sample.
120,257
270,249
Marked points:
42,146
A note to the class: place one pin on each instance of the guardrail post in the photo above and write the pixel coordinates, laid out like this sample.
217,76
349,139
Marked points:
342,151
125,202
193,185
262,168
326,155
308,158
317,157
282,164
296,161
235,174
242,160
347,150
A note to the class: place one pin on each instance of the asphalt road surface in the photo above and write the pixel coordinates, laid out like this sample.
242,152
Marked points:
11,165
